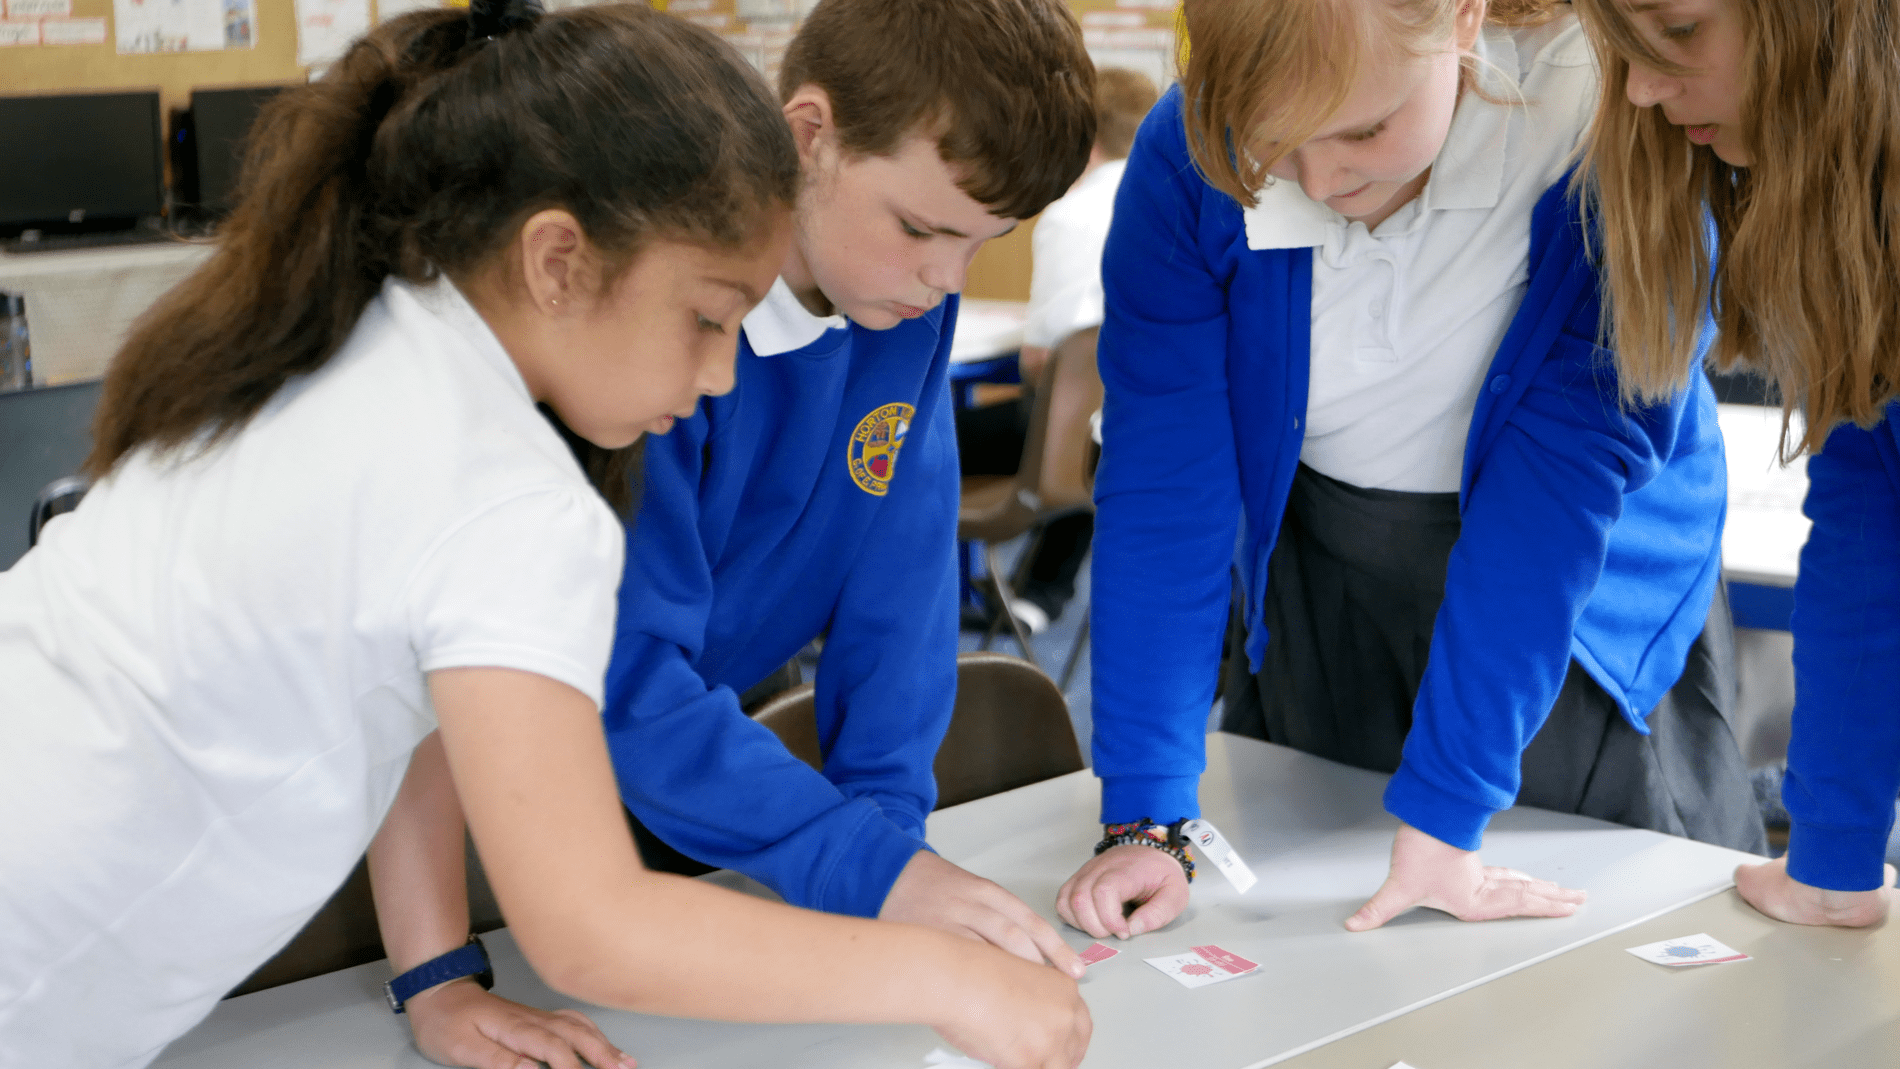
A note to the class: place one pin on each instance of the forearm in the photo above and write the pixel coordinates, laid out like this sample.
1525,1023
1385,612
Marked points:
543,806
417,864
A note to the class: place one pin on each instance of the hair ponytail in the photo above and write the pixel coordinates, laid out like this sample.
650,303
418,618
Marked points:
419,153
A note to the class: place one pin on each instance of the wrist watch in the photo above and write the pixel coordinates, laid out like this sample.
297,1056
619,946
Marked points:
469,959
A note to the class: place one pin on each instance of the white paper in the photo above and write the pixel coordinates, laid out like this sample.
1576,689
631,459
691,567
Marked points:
1212,847
1696,949
73,31
325,29
13,34
183,25
39,9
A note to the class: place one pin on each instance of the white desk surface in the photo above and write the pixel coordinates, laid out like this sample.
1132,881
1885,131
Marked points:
987,329
1315,833
81,304
1762,540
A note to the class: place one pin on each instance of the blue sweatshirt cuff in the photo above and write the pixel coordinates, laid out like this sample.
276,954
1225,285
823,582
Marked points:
1164,799
861,880
1439,814
1837,859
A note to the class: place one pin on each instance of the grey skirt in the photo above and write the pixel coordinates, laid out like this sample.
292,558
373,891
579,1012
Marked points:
1353,589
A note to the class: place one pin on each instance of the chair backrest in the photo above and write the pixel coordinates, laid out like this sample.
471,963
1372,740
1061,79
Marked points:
45,434
1067,478
58,498
793,717
1010,728
344,934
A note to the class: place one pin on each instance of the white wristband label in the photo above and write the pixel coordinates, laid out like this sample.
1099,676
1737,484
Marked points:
1208,842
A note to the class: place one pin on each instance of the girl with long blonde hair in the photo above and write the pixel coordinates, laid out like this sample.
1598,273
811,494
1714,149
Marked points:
1352,313
1746,156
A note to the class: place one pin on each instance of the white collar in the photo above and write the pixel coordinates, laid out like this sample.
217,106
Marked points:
780,324
446,304
1468,173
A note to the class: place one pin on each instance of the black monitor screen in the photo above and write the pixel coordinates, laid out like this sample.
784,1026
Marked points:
70,159
220,119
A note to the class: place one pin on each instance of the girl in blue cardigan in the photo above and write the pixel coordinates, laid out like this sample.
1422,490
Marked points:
1360,346
1805,290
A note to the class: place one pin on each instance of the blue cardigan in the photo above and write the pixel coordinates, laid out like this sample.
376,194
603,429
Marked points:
1844,757
818,497
1589,531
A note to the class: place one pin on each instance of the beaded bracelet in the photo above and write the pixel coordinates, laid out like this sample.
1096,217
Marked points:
1145,832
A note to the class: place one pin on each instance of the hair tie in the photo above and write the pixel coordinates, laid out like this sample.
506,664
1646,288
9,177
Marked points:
492,18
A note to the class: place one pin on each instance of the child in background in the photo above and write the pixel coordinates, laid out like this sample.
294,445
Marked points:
1369,337
1065,296
1776,120
329,520
819,497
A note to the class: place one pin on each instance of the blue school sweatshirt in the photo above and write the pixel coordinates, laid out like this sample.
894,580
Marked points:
1844,756
1589,531
819,497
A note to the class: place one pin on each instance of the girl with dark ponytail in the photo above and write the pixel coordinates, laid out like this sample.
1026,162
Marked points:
332,537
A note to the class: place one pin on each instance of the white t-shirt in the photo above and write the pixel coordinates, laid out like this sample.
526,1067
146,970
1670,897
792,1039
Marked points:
1065,282
1407,318
212,673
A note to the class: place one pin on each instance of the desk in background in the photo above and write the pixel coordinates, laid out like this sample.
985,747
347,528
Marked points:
989,337
1318,838
80,305
1762,540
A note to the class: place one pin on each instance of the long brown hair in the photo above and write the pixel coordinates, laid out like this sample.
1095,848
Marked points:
420,153
1294,62
1797,252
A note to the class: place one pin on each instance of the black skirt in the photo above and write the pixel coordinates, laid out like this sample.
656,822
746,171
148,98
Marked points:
1353,590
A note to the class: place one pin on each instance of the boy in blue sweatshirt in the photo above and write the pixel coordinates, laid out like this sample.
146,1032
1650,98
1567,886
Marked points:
819,497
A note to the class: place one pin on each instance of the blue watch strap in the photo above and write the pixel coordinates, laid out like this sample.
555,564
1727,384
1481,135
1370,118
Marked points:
469,959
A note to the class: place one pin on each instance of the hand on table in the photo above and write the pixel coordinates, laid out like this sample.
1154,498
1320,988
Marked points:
1428,872
458,1023
1093,898
1015,1015
1773,892
936,894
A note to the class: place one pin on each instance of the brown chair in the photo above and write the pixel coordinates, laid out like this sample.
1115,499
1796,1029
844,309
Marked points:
343,934
1055,478
1010,728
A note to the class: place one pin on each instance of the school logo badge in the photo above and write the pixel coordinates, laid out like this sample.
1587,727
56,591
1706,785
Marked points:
872,454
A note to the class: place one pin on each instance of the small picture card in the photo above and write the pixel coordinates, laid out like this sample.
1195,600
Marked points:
1204,965
1696,949
1212,846
1095,952
73,32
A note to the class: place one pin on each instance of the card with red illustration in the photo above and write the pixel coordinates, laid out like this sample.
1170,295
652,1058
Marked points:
1204,965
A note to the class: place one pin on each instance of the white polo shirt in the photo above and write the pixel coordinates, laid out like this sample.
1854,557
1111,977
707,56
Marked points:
1407,318
1065,282
213,672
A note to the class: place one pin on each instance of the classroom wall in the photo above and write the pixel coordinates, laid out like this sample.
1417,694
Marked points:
65,68
1135,33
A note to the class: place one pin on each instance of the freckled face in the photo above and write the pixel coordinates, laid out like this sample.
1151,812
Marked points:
1709,38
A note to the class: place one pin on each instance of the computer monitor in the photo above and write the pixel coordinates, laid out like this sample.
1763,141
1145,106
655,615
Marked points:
79,162
211,142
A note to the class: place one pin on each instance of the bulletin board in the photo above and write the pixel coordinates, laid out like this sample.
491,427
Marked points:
52,68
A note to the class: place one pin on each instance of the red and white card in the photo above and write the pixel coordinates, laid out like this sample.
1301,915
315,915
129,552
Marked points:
1095,952
1697,949
1204,965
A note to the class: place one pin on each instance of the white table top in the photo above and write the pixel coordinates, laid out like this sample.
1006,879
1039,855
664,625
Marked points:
1762,540
987,329
1315,833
